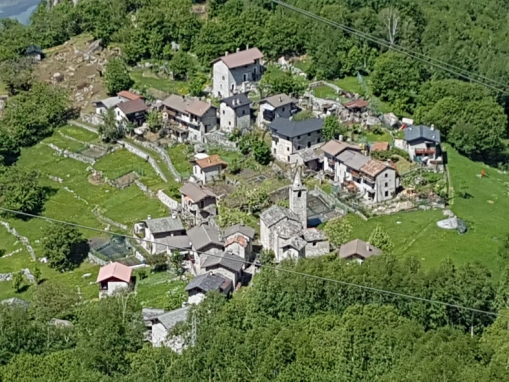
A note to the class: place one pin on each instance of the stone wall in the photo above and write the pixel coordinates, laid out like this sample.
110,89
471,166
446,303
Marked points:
217,138
68,154
85,118
93,119
142,154
103,218
95,260
165,157
23,239
144,188
167,201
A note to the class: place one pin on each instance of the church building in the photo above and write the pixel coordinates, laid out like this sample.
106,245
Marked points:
285,230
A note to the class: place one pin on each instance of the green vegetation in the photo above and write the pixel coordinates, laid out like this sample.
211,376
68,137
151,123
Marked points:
161,290
351,84
325,91
145,80
180,159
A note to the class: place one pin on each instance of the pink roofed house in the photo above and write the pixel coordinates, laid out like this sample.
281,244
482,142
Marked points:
114,277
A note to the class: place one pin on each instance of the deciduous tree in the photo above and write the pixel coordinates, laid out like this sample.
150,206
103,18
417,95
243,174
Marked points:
20,191
64,246
117,76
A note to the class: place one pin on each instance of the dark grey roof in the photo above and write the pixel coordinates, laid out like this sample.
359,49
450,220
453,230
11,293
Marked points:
227,260
162,225
237,100
421,131
313,234
290,128
203,235
241,228
207,282
295,242
171,243
151,313
170,319
275,214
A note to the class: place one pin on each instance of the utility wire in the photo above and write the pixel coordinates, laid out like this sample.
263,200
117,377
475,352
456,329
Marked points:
365,287
405,51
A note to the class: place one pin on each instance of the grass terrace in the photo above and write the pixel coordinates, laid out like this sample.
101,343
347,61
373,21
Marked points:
179,158
146,79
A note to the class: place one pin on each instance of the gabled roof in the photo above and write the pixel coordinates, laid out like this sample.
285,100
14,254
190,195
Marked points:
296,242
288,229
109,102
290,128
335,147
195,192
115,271
360,103
209,282
180,242
313,234
227,260
134,106
162,225
176,102
129,95
172,318
413,133
244,57
278,100
210,161
275,214
240,228
358,247
353,159
199,108
236,101
375,167
203,235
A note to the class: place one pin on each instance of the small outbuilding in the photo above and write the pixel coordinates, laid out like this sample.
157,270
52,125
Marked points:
114,277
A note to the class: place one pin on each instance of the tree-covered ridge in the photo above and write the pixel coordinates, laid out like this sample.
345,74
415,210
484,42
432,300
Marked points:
285,327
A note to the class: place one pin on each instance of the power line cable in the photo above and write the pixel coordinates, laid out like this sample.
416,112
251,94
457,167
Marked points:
365,287
405,51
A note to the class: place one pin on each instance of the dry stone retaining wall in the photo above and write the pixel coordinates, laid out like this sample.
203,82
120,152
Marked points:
142,154
68,154
23,239
165,157
100,216
167,201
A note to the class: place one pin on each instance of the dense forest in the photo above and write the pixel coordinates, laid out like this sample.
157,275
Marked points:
284,327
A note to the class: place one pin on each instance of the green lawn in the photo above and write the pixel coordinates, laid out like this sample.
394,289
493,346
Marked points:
3,89
226,155
372,137
304,65
121,162
179,158
350,84
79,133
159,290
145,79
418,235
65,143
325,91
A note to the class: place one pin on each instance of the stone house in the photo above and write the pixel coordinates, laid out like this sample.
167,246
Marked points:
357,107
233,72
131,111
208,282
289,136
235,113
204,238
239,241
358,250
285,232
198,200
276,106
158,234
189,119
207,168
162,324
422,143
113,278
226,264
331,150
376,181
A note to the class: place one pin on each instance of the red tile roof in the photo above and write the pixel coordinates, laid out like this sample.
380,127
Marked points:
115,271
211,161
130,96
360,103
244,57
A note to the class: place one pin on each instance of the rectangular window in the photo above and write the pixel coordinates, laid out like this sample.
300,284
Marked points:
223,78
288,159
386,193
386,184
274,151
283,109
298,147
298,137
287,149
309,134
386,175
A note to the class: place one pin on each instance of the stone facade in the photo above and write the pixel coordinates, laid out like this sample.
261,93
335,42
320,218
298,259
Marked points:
238,118
228,81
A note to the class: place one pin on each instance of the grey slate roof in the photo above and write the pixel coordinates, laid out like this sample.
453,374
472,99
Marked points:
279,100
151,313
295,242
227,260
203,235
275,214
288,229
207,282
172,242
358,247
237,100
170,319
196,192
421,131
291,129
241,228
109,102
313,234
162,225
353,159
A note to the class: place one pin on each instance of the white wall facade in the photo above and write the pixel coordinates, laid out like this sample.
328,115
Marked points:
230,119
226,81
206,175
159,334
283,147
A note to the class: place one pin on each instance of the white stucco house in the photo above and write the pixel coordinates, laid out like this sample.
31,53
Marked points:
285,231
188,119
207,167
422,144
113,278
234,72
276,106
289,136
235,113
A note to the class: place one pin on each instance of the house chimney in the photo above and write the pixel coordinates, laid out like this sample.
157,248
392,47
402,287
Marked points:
220,236
173,215
247,46
340,138
226,53
149,217
280,99
238,50
368,247
183,98
432,127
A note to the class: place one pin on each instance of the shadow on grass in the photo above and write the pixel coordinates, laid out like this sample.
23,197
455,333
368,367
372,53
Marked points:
79,252
23,288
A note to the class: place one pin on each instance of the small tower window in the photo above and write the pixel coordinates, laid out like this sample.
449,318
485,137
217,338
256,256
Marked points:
299,194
